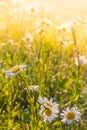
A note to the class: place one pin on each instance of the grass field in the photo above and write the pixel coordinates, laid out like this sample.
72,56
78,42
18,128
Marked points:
43,66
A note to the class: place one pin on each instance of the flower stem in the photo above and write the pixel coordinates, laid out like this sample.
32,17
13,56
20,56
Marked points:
24,81
73,125
69,127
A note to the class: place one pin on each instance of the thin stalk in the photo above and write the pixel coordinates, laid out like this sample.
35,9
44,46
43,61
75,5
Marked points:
76,50
74,36
73,125
47,125
24,81
69,127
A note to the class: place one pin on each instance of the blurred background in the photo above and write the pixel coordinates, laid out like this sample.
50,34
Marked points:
62,8
65,8
68,8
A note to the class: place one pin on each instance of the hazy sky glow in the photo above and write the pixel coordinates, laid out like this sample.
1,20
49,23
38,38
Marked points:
62,8
66,8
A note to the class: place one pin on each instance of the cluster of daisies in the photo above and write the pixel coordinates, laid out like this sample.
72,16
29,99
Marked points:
49,111
41,27
48,108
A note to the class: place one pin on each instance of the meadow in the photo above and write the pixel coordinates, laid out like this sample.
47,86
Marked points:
43,69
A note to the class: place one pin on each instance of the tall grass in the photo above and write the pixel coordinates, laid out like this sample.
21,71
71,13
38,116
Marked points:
50,59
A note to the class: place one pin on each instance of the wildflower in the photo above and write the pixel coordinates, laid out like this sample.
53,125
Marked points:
47,103
77,20
34,88
48,114
32,8
69,115
66,27
40,31
46,22
14,71
37,24
65,42
49,109
28,38
80,60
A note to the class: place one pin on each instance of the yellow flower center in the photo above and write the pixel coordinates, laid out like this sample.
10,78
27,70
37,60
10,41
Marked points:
41,31
48,112
32,9
28,38
15,69
70,115
48,104
63,29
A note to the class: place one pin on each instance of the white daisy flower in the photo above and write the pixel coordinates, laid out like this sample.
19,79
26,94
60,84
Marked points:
47,103
69,115
34,88
66,27
49,114
28,38
32,8
49,109
46,22
40,31
14,71
80,60
37,24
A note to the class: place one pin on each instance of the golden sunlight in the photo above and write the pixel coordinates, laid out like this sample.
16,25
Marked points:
65,8
62,8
